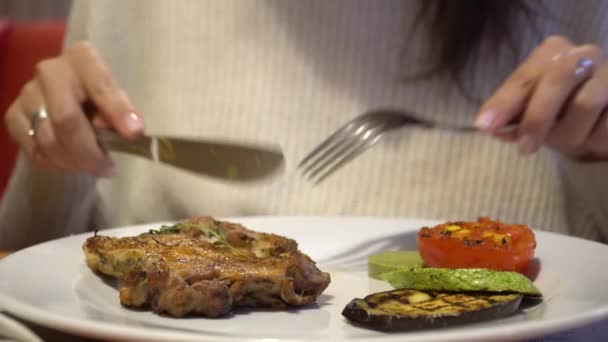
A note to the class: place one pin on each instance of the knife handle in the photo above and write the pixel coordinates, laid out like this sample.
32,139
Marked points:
110,140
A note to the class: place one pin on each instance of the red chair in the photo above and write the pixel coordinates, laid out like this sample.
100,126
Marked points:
22,46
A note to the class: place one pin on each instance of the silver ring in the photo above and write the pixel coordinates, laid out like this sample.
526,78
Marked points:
583,66
35,119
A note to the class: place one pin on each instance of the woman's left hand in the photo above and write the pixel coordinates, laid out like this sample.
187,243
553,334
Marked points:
559,97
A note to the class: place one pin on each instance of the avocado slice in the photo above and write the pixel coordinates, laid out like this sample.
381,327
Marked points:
461,280
408,309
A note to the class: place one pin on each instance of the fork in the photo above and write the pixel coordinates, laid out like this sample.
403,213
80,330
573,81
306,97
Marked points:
363,132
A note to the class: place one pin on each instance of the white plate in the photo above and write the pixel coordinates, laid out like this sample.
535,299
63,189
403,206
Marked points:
50,284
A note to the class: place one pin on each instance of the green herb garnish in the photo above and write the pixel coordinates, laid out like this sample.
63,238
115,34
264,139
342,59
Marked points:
165,230
217,236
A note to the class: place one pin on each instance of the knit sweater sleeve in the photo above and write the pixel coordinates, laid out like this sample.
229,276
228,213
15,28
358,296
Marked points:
39,205
586,185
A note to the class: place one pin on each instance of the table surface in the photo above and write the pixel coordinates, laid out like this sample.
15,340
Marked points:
597,332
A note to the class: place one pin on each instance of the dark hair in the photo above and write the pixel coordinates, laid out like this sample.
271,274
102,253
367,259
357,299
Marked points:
457,29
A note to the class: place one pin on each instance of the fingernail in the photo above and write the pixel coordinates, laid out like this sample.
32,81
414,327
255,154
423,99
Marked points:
485,120
134,123
527,145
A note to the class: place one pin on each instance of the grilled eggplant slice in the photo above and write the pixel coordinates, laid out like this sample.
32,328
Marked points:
408,309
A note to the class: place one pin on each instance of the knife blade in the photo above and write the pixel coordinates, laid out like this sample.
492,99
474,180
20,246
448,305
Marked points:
223,160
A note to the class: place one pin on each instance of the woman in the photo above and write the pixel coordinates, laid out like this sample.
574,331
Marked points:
291,72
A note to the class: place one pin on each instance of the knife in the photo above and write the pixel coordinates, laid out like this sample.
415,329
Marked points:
226,161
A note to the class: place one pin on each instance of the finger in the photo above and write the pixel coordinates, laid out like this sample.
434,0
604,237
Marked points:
511,98
72,128
46,145
509,137
581,114
556,85
100,122
46,150
102,88
18,126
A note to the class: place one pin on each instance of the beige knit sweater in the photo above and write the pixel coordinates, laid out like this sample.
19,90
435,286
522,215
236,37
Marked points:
291,72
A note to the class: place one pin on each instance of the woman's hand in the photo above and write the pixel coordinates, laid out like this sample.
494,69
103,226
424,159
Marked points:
62,85
559,95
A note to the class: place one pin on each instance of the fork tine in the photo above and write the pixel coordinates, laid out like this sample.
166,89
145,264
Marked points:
357,145
324,151
329,157
318,149
334,149
323,171
349,126
350,155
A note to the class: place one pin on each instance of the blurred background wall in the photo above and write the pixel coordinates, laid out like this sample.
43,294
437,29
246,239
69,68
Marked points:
30,31
26,10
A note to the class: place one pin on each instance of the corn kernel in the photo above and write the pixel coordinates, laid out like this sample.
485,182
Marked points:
452,228
501,239
462,233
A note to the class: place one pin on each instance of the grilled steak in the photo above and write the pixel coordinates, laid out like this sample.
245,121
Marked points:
206,267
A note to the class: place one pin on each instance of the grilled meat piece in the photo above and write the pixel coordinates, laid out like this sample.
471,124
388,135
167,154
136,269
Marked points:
207,267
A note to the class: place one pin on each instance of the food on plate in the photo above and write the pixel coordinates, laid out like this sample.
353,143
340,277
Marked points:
207,267
461,280
392,261
408,309
482,244
468,272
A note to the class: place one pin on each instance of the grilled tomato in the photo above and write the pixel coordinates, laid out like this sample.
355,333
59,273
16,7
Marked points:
482,244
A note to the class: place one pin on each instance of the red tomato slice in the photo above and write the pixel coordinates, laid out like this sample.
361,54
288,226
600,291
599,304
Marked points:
482,244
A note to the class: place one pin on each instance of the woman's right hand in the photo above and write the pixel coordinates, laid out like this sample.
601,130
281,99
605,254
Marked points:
62,85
